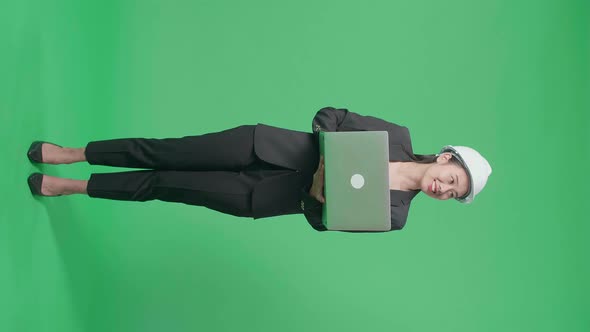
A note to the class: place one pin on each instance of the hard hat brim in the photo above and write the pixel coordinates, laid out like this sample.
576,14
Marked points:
469,197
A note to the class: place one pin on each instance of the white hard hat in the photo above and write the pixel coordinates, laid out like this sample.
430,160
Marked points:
477,167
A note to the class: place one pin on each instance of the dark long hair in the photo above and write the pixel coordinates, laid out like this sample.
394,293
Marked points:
425,158
431,158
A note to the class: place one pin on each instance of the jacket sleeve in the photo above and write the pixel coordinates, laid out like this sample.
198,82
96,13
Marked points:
312,209
328,119
341,119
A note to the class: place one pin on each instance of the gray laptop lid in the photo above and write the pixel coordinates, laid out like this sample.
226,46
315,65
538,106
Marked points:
356,180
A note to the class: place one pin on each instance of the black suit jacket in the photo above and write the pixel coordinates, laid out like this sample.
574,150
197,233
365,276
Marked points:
300,151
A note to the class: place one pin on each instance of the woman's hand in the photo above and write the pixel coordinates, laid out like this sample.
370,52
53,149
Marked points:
317,188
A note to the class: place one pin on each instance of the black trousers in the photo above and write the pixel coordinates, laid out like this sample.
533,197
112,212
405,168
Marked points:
215,170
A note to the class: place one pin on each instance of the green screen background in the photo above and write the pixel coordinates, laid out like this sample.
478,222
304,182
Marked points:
508,78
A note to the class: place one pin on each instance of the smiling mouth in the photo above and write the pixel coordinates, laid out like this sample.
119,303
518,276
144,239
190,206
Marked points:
433,187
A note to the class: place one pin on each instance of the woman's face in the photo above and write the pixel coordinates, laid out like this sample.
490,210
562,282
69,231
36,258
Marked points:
445,180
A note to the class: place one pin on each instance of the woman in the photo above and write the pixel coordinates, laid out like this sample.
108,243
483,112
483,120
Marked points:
257,171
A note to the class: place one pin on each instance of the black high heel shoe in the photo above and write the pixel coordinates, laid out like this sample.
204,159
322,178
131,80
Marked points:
35,153
35,181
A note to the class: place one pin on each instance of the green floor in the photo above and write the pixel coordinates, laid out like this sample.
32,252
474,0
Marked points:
509,78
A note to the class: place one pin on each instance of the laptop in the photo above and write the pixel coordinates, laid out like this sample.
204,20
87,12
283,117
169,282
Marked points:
356,180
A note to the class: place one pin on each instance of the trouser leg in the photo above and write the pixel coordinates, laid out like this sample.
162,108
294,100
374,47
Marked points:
231,150
224,191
